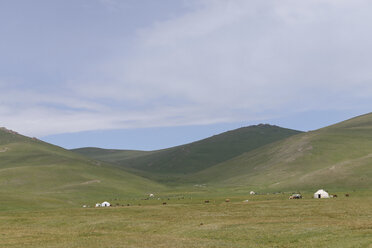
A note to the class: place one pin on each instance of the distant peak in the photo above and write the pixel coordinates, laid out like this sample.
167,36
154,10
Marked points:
264,125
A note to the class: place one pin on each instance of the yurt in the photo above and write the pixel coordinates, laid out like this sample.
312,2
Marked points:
252,193
98,205
321,194
105,204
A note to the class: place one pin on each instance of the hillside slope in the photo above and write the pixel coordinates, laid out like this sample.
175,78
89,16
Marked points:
37,174
193,157
110,155
335,157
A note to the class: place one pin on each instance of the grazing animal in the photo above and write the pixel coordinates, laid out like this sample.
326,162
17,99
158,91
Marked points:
227,200
347,195
206,201
295,196
164,203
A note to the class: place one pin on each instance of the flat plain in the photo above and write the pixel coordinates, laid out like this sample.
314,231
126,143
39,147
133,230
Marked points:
267,220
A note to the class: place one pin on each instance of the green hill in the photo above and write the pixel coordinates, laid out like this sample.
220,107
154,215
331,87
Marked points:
37,174
335,157
266,158
263,157
193,157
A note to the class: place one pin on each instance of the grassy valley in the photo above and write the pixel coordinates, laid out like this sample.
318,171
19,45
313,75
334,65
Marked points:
43,188
113,156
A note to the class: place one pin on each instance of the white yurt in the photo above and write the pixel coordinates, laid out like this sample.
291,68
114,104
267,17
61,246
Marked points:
98,205
105,204
321,194
252,193
151,195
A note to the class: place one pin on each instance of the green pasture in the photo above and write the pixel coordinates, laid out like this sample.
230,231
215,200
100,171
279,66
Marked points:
267,220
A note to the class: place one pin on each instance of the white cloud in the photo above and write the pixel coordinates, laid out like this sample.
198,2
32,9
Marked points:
256,54
228,60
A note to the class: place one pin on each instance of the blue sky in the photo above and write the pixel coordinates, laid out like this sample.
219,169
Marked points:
144,74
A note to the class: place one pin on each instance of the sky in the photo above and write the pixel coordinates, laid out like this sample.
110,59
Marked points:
145,74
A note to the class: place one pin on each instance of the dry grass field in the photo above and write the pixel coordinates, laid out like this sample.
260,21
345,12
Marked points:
263,221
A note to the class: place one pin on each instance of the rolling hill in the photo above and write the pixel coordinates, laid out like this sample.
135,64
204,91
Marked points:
335,157
37,174
193,157
263,157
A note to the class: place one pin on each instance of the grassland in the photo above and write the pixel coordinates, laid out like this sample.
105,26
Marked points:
263,221
43,189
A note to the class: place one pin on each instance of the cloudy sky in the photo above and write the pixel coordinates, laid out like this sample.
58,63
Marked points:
145,74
